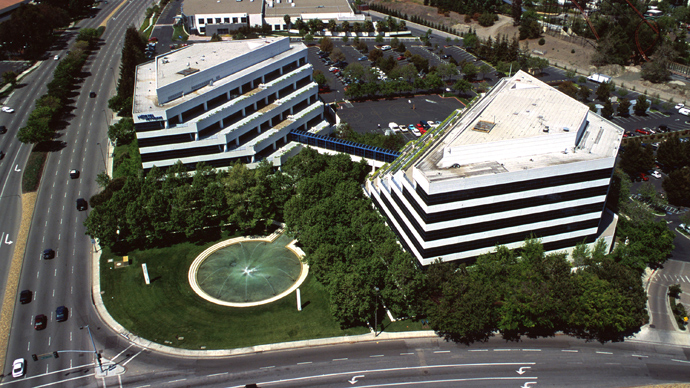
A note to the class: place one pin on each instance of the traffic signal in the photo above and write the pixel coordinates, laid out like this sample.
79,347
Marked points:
34,357
55,354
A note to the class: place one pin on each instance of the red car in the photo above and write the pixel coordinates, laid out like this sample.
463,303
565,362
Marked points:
40,322
400,58
643,131
644,177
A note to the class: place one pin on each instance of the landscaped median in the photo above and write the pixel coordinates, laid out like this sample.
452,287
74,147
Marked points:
169,312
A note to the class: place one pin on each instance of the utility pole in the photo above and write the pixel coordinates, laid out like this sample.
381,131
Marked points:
98,356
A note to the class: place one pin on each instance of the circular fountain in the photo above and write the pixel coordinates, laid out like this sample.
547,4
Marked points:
245,272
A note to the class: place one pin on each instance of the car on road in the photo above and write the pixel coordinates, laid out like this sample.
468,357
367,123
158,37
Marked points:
153,39
92,94
678,106
57,57
400,58
48,254
82,204
2,155
61,314
40,322
7,109
18,368
656,174
3,129
74,174
25,296
362,58
385,48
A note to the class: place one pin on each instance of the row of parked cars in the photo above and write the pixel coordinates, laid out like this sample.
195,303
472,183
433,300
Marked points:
417,129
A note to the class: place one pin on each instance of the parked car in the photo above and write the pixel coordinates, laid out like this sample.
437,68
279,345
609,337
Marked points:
644,177
411,127
643,131
57,57
656,174
416,132
153,39
431,123
40,322
393,126
678,106
385,48
663,128
400,58
362,58
3,129
18,368
402,128
92,94
444,56
25,296
61,314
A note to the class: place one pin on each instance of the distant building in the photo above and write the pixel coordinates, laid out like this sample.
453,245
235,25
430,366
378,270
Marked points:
9,6
225,102
525,160
207,17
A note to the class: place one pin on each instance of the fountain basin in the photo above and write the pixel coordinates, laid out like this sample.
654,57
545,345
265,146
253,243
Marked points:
247,271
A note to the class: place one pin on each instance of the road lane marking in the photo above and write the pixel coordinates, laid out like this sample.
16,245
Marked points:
569,350
441,351
127,362
531,350
304,363
407,354
47,366
268,367
340,359
376,355
598,352
175,381
55,273
502,350
479,350
28,346
70,338
683,361
123,350
64,381
53,296
143,386
217,374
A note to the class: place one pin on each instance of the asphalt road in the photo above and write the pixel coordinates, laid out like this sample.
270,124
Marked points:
64,280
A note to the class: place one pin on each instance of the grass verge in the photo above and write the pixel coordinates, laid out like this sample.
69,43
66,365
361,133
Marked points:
179,34
33,171
168,309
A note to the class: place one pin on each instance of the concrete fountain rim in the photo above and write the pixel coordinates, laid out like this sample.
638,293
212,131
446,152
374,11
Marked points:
194,268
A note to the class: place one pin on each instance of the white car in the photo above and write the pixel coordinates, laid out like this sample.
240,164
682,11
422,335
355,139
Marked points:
7,109
680,106
57,57
656,174
402,128
18,368
393,126
416,132
431,123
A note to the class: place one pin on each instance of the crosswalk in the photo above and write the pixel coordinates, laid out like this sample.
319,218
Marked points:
674,278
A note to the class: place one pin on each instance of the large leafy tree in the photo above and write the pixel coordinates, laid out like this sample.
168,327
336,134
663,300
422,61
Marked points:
636,159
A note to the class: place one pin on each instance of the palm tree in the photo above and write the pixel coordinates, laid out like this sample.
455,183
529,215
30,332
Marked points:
287,20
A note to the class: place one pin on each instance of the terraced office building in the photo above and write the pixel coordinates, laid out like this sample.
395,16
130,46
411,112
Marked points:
224,102
524,160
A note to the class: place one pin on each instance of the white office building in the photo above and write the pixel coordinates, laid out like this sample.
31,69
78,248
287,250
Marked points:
524,160
225,102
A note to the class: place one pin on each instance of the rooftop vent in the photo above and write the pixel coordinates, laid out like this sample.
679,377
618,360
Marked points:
566,129
484,126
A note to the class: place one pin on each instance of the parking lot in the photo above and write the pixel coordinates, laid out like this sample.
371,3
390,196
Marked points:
365,117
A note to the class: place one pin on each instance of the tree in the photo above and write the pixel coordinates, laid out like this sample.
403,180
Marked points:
337,55
433,81
529,27
309,38
470,71
486,19
672,154
470,41
516,11
288,21
623,107
446,70
583,93
462,86
569,88
345,26
603,91
326,45
483,69
641,106
333,25
636,159
319,78
420,63
122,132
607,111
648,244
375,55
10,77
677,187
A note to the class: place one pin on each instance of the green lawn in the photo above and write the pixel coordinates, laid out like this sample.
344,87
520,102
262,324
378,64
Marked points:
33,170
168,308
178,31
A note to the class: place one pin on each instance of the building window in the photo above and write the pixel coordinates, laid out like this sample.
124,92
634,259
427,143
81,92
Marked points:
201,21
234,20
244,19
217,20
202,30
285,27
276,27
226,20
209,20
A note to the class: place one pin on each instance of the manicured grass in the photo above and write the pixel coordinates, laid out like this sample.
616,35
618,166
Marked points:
178,32
168,308
33,170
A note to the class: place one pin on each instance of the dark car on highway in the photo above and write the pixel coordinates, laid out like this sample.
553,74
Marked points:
82,204
3,129
48,254
25,296
61,314
40,322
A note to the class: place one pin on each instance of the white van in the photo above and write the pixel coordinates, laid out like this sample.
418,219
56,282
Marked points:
385,48
393,126
684,111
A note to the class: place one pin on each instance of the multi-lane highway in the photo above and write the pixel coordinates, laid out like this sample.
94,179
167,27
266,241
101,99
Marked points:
65,279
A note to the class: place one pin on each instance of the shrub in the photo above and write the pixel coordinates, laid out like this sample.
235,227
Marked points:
542,42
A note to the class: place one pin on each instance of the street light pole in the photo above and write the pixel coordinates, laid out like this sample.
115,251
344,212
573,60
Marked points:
376,305
103,156
98,356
